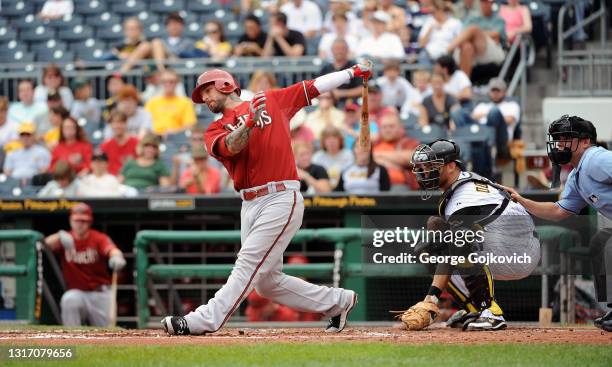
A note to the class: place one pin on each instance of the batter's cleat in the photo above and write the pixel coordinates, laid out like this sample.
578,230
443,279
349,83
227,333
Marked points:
337,323
175,325
605,322
486,321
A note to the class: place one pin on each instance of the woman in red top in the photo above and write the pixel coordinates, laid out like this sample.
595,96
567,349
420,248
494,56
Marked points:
200,177
73,147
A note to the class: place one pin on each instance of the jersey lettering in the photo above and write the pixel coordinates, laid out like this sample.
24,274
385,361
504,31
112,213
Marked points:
481,187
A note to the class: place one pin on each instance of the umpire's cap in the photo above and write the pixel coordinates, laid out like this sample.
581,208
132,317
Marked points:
224,83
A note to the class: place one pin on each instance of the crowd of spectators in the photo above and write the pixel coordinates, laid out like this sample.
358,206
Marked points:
46,129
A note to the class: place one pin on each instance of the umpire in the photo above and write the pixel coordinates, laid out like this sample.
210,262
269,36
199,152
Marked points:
572,140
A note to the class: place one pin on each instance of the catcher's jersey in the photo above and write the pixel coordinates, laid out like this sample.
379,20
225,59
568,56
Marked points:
268,156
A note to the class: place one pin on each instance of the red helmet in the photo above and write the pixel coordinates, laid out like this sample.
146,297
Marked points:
81,211
224,83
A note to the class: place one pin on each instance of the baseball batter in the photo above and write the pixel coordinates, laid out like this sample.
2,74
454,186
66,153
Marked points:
252,140
85,255
471,202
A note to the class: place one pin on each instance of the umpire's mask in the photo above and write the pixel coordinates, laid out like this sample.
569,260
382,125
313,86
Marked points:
561,133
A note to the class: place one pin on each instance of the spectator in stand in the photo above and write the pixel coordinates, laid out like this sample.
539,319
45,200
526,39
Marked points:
327,40
214,44
381,44
252,42
86,255
303,16
27,109
439,30
121,146
397,15
55,9
182,160
170,113
8,129
84,105
332,156
261,309
344,7
396,90
114,83
153,87
29,160
63,183
394,151
313,178
147,170
517,18
134,46
456,82
437,108
364,24
299,131
200,177
283,41
364,176
421,80
325,115
73,147
174,44
341,61
261,81
100,183
139,120
56,116
352,126
43,125
376,106
466,9
53,82
481,41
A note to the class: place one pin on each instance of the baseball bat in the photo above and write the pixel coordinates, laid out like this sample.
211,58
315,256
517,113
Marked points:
364,130
113,302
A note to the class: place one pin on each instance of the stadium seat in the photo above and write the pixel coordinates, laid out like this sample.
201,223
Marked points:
40,33
428,133
155,30
66,22
475,133
12,46
48,45
129,7
76,33
111,35
7,34
50,55
27,22
90,43
194,30
17,9
222,16
203,6
105,19
166,6
147,18
465,148
92,7
90,54
16,57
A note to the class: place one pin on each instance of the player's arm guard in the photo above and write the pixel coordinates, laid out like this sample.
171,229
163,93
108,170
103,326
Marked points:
419,316
331,81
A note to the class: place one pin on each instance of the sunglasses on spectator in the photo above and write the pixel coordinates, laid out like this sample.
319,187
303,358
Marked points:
212,31
25,134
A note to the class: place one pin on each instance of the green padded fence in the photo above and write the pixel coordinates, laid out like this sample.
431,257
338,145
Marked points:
24,270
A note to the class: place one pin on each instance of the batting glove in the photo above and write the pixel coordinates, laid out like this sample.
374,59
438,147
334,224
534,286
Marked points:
116,262
362,71
256,107
66,240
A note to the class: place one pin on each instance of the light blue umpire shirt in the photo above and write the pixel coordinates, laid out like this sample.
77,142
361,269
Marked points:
590,183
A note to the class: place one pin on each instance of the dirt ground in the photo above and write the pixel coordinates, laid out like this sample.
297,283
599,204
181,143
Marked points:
514,334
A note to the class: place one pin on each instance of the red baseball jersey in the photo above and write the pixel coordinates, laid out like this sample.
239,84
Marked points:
86,267
267,156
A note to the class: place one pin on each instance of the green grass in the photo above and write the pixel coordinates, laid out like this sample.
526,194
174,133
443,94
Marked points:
336,354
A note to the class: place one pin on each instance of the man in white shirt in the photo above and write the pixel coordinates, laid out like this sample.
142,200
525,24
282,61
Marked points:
381,44
99,183
341,25
26,109
396,90
55,9
31,159
303,16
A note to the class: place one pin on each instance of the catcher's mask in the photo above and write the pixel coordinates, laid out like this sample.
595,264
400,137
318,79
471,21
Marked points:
428,160
561,133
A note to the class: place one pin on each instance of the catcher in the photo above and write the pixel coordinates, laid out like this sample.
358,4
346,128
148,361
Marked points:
470,202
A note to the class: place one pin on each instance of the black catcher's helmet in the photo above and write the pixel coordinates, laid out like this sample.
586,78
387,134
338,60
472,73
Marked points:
560,134
428,159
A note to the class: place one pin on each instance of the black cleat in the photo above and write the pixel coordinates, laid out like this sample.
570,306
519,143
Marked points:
605,322
337,323
175,325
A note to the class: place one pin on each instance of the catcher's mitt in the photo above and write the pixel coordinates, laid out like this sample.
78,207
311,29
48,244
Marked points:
420,315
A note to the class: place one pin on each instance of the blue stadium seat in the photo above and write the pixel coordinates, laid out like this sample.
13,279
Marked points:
113,34
90,54
475,133
76,33
17,9
16,57
234,30
54,56
51,44
40,33
222,16
27,22
7,34
203,6
91,7
12,46
66,22
105,19
147,18
194,30
155,30
129,7
166,6
428,133
465,147
90,43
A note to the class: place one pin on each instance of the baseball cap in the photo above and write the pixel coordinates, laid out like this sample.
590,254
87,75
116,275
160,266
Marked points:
81,211
78,83
351,107
26,127
381,16
497,83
